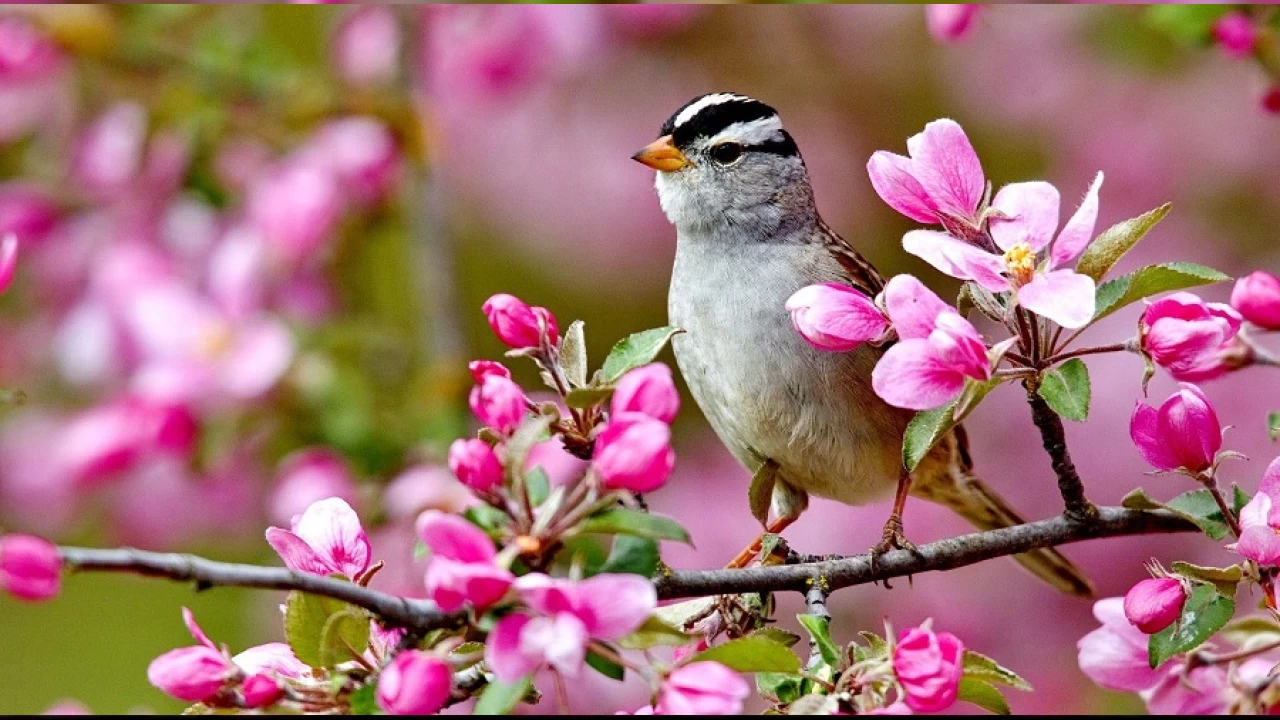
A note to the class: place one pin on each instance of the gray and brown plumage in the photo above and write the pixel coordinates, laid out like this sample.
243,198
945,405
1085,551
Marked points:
732,181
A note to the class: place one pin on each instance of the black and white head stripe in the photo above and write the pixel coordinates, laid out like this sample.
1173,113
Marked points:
728,117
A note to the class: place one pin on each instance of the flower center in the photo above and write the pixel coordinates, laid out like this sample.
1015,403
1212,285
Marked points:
1021,263
215,341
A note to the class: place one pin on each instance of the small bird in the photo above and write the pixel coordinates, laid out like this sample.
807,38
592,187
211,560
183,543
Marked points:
748,235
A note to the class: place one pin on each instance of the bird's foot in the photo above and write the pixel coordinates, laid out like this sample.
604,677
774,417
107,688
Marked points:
749,553
892,539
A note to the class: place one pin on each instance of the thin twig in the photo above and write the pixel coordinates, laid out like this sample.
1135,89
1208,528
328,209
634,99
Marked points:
1114,347
1054,437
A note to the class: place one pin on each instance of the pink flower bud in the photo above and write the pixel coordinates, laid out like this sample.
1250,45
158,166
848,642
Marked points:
480,369
499,403
1183,434
193,674
8,260
928,666
1188,336
260,691
648,390
414,683
366,46
949,23
1270,101
26,212
835,317
475,464
634,453
1257,297
461,571
703,688
517,324
1235,34
325,539
1155,603
30,567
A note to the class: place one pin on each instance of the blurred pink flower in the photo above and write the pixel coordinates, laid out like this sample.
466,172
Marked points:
928,665
499,403
649,390
296,207
561,466
481,368
307,476
104,441
633,452
937,351
940,183
25,52
951,22
702,688
360,152
1183,434
26,212
366,46
1260,521
327,538
517,324
8,259
30,567
414,683
109,154
260,691
475,464
1257,297
461,571
239,161
425,487
1187,336
835,317
1203,691
1235,34
1155,603
1115,655
650,19
68,707
195,673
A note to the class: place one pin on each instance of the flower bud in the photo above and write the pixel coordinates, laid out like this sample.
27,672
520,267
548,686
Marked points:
835,317
499,403
1257,297
414,683
634,453
648,390
480,369
1188,336
1235,34
475,464
366,46
1155,603
928,665
1183,434
461,570
260,691
702,688
517,324
950,23
30,567
308,476
193,674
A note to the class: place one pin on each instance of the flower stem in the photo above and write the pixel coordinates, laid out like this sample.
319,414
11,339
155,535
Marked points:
1202,659
1114,347
1211,484
1054,438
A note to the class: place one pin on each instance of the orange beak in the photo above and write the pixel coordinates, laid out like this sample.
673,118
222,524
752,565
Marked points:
661,154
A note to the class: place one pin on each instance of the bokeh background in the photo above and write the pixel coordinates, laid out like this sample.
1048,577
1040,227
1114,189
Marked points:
253,232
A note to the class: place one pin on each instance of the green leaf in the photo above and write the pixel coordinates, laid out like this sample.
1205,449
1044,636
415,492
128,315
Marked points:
784,687
634,555
654,633
1224,580
1252,632
1066,388
539,485
320,629
530,433
818,629
928,427
1199,507
1273,426
753,653
981,667
1203,615
1139,500
1187,24
605,666
636,350
587,397
760,494
501,698
573,355
778,635
984,695
1239,498
486,517
1152,280
624,521
1107,249
364,700
973,295
876,645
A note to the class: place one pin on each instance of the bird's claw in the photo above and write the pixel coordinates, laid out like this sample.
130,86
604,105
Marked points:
892,539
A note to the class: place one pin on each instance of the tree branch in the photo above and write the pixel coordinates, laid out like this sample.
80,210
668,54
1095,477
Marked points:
1054,437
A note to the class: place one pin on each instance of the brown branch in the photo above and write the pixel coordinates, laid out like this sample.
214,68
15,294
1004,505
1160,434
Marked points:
1054,437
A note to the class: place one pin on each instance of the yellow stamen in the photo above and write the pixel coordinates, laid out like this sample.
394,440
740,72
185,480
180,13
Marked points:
1021,261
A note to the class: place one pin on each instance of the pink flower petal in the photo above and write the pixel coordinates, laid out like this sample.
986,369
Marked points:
1064,296
275,658
912,307
260,355
1032,209
1271,479
892,179
1115,655
502,653
560,640
1144,430
8,260
910,376
189,619
333,529
833,317
957,258
1078,232
453,537
613,605
947,167
298,556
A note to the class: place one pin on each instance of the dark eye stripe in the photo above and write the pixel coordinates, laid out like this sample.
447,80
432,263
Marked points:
711,120
784,146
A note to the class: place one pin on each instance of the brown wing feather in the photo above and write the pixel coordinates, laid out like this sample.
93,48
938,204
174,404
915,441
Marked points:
862,274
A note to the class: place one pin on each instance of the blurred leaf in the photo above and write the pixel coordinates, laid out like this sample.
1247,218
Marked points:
778,635
981,667
631,554
1273,426
605,666
818,629
320,629
973,295
487,518
1108,248
760,494
501,698
624,521
984,695
753,653
930,426
573,354
654,633
815,704
1252,632
1066,389
876,645
636,350
1152,280
364,701
1203,615
1224,580
531,432
582,398
784,687
1188,24
1197,506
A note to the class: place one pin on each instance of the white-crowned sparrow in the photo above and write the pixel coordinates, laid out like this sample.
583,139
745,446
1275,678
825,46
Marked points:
732,181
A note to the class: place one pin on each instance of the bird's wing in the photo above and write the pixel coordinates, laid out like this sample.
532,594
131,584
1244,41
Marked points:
862,274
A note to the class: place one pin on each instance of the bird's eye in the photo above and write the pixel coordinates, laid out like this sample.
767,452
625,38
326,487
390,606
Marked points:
726,153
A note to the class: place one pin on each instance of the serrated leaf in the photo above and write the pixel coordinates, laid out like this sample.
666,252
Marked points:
316,632
930,426
583,398
1138,499
345,636
1273,426
760,494
815,705
981,667
655,633
624,521
1152,280
636,350
819,629
1251,633
1224,580
1204,613
634,555
1108,248
876,645
573,355
1199,507
605,666
364,700
1239,498
984,695
753,653
1067,390
782,686
501,698
778,635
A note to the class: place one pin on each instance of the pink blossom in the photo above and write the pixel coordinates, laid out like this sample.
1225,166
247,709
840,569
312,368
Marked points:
476,464
649,390
835,317
307,476
102,442
8,260
366,46
1022,230
360,152
196,673
30,567
327,538
1235,34
1260,521
1203,691
518,325
296,207
109,154
1115,655
425,487
634,453
68,707
940,183
1257,298
499,403
702,688
274,659
260,691
521,644
483,368
949,23
561,467
26,212
414,683
928,665
1188,336
1155,603
1184,434
462,571
938,349
25,52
